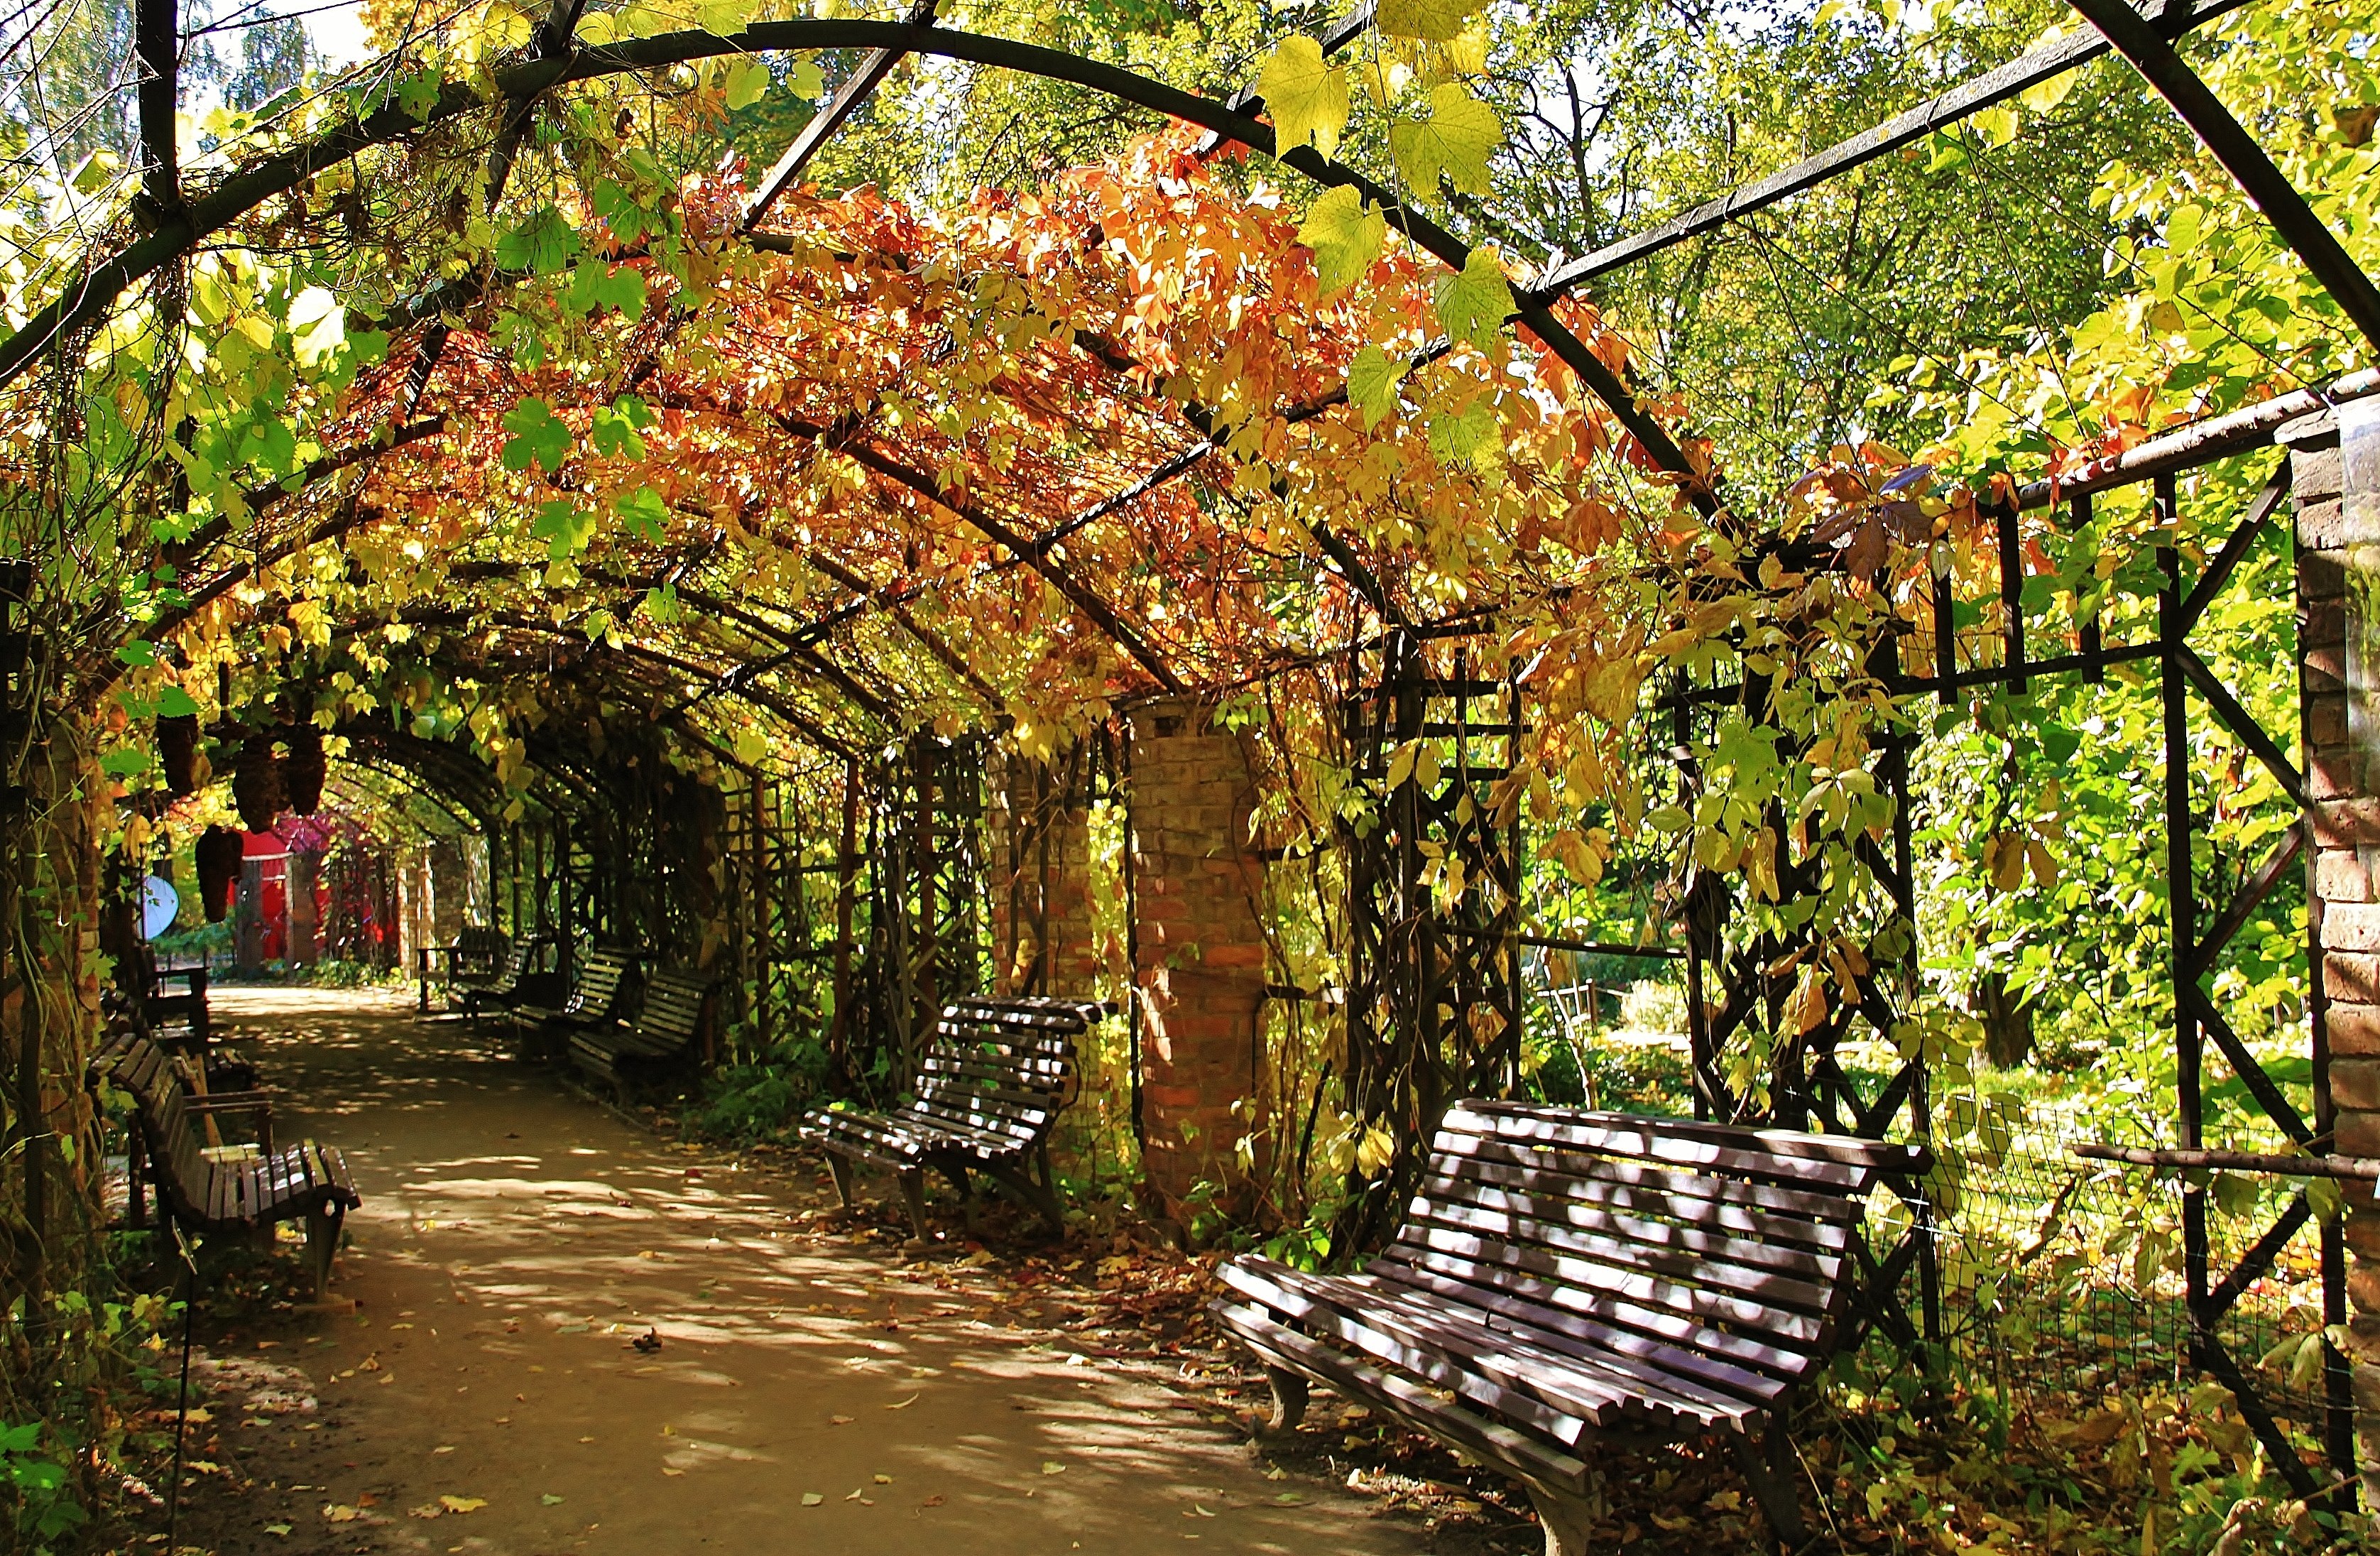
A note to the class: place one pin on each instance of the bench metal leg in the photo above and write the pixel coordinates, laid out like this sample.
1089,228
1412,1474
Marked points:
322,1224
1289,1395
1769,1466
1569,1519
913,1190
841,1168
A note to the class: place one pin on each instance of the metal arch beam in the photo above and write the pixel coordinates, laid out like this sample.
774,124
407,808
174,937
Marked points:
2254,171
1995,85
100,284
874,67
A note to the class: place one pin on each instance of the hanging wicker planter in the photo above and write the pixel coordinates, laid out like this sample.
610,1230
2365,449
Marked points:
256,782
220,851
177,753
302,769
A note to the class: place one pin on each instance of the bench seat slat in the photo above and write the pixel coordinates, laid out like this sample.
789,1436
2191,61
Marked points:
1602,1391
1359,1380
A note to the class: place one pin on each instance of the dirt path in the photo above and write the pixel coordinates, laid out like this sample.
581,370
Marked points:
809,1394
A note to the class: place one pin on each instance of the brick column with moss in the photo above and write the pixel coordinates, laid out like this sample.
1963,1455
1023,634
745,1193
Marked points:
1200,947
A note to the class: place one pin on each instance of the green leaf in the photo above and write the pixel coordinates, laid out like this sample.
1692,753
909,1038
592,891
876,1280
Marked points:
624,288
2042,96
137,652
747,79
1947,153
124,763
1346,234
1372,380
542,244
1474,302
1470,436
645,515
172,702
1997,125
1306,95
538,435
565,526
1456,140
804,79
1436,21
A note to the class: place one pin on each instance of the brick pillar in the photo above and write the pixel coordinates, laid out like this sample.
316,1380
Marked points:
1038,848
2339,646
1200,948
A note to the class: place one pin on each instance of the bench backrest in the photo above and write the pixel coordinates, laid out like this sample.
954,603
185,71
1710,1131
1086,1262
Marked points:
144,1070
672,1008
1002,1065
598,987
1736,1244
478,948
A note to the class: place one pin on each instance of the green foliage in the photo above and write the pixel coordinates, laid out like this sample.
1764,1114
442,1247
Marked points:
38,1489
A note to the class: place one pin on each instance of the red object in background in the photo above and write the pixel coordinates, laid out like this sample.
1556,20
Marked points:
272,857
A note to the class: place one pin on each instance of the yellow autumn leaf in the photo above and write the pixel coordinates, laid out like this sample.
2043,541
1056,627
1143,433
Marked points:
462,1504
1305,94
1436,22
1346,234
1455,140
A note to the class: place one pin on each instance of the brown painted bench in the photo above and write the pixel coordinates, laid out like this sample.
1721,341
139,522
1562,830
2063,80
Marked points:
1568,1280
667,1026
994,1079
208,1192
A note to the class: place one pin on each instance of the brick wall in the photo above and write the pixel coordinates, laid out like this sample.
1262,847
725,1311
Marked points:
2338,643
1200,946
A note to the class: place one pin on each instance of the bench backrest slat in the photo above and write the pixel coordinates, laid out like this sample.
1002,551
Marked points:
1728,1242
1004,1066
600,978
672,1006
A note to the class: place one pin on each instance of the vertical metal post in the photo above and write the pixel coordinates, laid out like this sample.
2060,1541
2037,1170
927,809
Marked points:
2181,897
2094,673
2011,592
1946,633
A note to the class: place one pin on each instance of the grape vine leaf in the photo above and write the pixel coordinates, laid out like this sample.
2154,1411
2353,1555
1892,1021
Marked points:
1474,302
543,243
537,434
1372,380
1305,94
747,80
1456,140
1346,234
1434,20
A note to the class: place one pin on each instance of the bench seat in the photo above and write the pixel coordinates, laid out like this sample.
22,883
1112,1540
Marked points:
667,1026
1566,1281
994,1081
209,1191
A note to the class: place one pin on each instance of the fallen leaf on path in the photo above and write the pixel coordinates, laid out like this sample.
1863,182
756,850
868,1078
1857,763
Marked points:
907,1402
1290,1499
858,1494
338,1513
367,1498
1201,1511
585,1440
462,1504
443,1448
281,1529
550,1500
199,1416
884,1480
427,1510
1052,1467
812,1499
667,1470
934,1500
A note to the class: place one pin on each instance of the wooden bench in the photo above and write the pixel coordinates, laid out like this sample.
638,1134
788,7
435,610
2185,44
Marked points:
219,1191
667,1024
1566,1281
993,1082
503,987
594,996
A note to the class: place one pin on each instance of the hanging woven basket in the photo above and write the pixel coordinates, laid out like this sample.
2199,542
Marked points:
220,851
256,782
303,769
